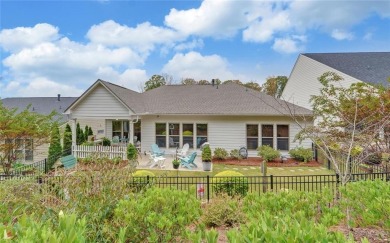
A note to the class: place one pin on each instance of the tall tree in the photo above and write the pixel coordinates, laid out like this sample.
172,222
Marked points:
55,149
350,123
253,85
86,131
236,81
154,82
188,81
274,85
79,135
16,126
67,146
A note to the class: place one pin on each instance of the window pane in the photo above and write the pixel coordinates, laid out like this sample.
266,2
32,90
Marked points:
174,128
160,141
28,149
201,129
188,134
252,143
174,141
282,144
116,126
160,129
267,131
252,130
282,131
267,141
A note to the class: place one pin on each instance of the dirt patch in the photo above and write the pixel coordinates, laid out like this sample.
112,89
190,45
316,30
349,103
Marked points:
375,235
254,161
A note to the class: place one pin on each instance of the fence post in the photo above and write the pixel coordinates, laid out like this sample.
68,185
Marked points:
46,167
329,164
272,182
350,165
208,188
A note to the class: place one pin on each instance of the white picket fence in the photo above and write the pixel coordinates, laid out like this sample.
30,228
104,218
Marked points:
80,151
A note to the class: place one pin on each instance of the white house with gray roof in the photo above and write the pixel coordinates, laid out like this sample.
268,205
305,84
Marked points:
369,67
227,116
28,152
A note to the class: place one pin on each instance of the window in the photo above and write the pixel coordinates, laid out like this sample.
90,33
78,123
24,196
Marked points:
267,133
137,131
282,137
252,136
174,135
120,129
188,134
161,133
23,149
201,134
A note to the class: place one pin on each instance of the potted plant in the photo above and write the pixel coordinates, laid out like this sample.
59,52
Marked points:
206,158
176,163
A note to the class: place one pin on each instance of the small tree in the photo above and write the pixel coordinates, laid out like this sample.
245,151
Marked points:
55,149
154,82
132,155
80,137
15,125
67,146
86,133
90,132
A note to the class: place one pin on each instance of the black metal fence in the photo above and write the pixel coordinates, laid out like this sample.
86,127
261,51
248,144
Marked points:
36,168
207,187
362,168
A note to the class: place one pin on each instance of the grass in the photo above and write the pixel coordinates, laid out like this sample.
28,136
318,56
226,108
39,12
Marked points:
249,171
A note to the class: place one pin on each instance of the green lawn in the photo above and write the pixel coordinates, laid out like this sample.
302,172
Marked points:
249,171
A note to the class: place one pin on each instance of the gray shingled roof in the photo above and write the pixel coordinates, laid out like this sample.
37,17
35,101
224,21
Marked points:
370,67
41,105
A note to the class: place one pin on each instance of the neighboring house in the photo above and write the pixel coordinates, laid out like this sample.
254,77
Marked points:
42,105
227,116
369,67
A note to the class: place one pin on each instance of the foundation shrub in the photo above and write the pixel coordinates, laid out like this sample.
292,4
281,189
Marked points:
220,153
267,153
301,154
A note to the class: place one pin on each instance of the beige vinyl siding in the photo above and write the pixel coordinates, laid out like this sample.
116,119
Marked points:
41,152
95,124
223,131
100,103
109,129
303,81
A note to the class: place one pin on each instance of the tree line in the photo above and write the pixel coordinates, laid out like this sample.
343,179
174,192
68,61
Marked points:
272,86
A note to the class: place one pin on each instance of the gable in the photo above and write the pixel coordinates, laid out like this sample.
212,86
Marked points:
99,102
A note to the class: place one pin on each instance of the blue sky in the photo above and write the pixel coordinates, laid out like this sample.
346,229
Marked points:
52,47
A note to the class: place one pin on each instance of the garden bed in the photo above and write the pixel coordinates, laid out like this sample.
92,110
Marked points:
255,161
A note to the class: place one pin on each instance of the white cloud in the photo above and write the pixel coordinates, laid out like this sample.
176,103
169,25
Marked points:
289,44
142,38
42,87
342,35
196,43
216,18
25,37
194,65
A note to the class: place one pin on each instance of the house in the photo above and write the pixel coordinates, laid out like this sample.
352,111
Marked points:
369,67
227,116
43,105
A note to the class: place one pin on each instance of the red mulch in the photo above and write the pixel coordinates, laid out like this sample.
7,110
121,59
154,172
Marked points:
254,161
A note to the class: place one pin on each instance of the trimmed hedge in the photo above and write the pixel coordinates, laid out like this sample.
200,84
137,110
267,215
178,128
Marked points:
230,182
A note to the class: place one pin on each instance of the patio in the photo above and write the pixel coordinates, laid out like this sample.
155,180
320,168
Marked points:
144,163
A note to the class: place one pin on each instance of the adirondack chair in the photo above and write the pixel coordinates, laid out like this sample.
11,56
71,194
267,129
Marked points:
183,152
188,161
69,161
156,150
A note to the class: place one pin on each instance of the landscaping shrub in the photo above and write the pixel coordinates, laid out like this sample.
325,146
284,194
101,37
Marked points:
55,149
140,180
220,153
106,142
223,210
157,215
132,155
230,182
67,148
116,160
267,153
206,154
301,154
235,154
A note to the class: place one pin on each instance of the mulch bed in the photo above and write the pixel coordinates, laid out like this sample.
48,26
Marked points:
254,161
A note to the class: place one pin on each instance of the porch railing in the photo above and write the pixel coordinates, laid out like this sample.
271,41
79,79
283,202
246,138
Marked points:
80,151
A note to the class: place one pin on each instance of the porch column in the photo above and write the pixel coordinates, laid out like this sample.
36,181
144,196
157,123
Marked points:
131,132
73,132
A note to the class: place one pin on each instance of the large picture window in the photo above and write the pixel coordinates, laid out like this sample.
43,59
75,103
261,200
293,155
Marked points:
282,137
23,149
188,134
201,134
252,136
120,129
161,134
174,135
267,135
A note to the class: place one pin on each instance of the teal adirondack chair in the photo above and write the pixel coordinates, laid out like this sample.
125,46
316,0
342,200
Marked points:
156,150
188,161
